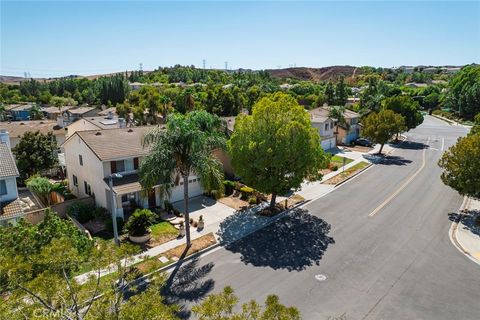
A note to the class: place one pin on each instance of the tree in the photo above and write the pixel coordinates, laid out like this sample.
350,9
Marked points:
36,113
382,126
407,107
275,149
464,93
461,165
341,94
336,112
184,148
40,186
221,306
476,125
330,94
35,152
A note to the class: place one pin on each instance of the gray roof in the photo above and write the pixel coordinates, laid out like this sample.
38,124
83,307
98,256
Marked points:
8,168
111,144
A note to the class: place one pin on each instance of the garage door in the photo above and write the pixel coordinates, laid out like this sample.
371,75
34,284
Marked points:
328,143
194,189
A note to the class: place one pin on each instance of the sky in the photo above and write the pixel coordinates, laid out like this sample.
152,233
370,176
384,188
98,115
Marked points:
60,38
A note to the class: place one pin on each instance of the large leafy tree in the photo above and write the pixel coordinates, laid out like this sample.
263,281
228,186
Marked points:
464,93
275,149
35,152
476,125
407,107
382,126
182,149
337,113
330,94
461,165
341,93
222,305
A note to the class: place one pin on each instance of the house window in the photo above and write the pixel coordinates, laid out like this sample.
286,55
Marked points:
117,166
326,126
88,189
75,181
80,159
3,187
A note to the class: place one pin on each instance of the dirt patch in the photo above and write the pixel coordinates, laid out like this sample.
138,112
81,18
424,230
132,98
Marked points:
197,245
233,202
359,148
95,226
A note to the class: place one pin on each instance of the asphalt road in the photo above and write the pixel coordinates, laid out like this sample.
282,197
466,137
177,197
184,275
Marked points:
383,256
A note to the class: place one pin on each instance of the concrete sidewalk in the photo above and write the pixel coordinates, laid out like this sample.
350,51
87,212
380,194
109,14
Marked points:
467,232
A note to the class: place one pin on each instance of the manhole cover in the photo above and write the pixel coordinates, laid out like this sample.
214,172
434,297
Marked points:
321,277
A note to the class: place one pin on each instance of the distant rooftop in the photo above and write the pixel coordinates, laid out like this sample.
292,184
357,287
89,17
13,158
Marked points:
19,128
81,110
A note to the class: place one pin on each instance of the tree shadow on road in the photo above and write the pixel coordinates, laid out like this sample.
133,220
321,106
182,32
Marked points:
468,218
294,243
187,284
387,160
410,145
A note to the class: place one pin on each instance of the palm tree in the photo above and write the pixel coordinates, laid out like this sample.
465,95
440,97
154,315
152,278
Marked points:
336,112
166,106
36,113
184,148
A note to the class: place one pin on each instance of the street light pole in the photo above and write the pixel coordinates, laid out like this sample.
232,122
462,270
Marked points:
114,207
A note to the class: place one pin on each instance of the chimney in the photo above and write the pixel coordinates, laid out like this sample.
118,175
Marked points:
109,115
5,137
121,123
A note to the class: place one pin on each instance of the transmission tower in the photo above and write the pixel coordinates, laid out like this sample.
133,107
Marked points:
226,65
141,66
203,62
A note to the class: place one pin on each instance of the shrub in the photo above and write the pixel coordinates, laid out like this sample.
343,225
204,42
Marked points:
246,192
334,168
252,200
139,222
229,187
168,206
81,212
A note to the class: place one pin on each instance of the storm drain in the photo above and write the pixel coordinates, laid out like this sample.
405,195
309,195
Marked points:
321,277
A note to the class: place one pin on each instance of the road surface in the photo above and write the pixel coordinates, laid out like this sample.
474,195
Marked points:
375,248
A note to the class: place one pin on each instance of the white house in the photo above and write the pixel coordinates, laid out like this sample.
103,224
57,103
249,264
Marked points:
10,206
91,157
325,126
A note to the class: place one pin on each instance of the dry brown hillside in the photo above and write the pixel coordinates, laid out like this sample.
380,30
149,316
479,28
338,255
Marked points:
315,74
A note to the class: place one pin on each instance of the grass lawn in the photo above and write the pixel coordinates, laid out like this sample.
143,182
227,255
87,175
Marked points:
338,161
349,172
161,233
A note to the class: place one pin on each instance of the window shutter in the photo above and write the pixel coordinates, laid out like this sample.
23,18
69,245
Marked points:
113,166
135,163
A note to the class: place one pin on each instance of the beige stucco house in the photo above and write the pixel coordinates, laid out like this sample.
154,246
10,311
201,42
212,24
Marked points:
92,156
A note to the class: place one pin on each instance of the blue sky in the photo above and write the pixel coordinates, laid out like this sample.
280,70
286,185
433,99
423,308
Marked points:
61,38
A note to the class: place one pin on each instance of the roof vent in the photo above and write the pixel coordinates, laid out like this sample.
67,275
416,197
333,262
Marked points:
130,130
98,133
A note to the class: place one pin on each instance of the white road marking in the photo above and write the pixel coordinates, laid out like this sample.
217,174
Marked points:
403,186
443,144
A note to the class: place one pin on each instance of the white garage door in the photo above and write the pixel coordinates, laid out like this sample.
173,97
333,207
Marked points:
194,189
328,143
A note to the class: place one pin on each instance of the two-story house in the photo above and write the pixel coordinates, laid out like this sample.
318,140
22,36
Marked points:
351,129
10,206
91,157
325,125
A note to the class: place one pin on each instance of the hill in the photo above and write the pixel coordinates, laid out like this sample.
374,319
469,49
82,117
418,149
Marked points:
315,74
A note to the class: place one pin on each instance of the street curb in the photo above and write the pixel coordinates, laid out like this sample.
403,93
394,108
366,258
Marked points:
353,176
452,234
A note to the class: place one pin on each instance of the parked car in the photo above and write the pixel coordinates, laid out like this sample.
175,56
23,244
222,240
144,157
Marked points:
363,142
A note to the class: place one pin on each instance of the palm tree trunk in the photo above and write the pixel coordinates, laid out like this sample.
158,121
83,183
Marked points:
186,213
273,201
